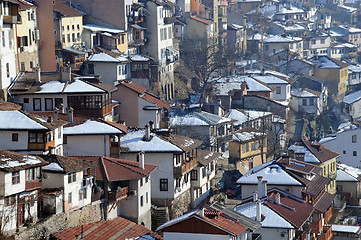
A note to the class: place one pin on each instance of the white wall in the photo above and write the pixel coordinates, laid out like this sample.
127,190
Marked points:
87,145
285,92
247,190
10,188
355,110
7,56
148,115
53,180
28,107
7,143
272,234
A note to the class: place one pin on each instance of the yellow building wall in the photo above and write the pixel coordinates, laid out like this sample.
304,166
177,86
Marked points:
122,44
65,32
336,79
329,171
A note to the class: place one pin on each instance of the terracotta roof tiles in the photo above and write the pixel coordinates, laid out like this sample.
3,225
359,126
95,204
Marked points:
322,153
65,9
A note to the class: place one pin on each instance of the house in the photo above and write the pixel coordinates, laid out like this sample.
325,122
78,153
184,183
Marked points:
307,101
276,43
265,104
211,222
45,92
333,72
318,154
281,88
353,104
348,182
316,43
323,19
343,51
124,186
20,177
297,67
117,228
84,136
236,38
176,157
350,34
281,215
67,184
248,149
346,142
202,33
27,45
28,133
354,75
137,106
213,130
245,6
290,28
10,11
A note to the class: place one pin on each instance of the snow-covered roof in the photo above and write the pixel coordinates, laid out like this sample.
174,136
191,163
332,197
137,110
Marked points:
138,58
302,93
346,229
271,218
347,8
98,28
239,116
91,127
53,167
257,37
352,171
345,45
343,176
273,174
77,86
346,126
353,97
6,162
276,39
135,143
324,62
326,139
270,79
18,120
197,119
309,157
224,86
354,68
335,33
290,27
104,57
246,136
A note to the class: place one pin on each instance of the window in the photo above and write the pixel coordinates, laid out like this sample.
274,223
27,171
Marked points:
146,197
15,177
8,201
354,153
71,177
278,90
7,70
67,27
36,104
78,36
141,201
194,175
163,184
32,173
141,182
69,198
48,104
354,138
68,37
78,26
73,37
65,139
73,27
247,147
344,151
36,137
304,102
15,137
204,172
3,38
312,101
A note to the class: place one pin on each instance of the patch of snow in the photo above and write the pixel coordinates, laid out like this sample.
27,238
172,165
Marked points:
27,160
18,120
53,167
309,157
91,127
346,228
353,97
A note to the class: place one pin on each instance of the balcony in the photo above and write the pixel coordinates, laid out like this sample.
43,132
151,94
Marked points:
118,195
186,167
32,185
326,233
136,42
317,226
332,175
169,20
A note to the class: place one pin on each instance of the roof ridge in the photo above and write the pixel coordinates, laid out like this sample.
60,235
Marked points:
126,166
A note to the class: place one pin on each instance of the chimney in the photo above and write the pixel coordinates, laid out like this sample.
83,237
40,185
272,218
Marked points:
262,71
141,159
259,186
264,189
147,133
255,196
66,73
56,113
258,211
278,7
278,198
62,108
70,114
38,74
219,108
207,99
50,120
201,213
151,125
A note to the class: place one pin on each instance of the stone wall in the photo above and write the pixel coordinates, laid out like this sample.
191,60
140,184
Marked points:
58,222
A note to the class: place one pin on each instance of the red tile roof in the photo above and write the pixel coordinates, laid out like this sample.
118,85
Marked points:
321,152
133,86
152,99
116,229
225,223
65,9
25,5
201,20
8,106
113,169
295,212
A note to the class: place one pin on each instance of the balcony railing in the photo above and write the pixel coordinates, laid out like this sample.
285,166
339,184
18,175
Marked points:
136,42
186,167
317,226
32,185
332,175
326,233
12,19
169,20
118,195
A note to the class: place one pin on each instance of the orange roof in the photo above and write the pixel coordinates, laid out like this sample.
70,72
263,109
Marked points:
133,86
152,99
118,228
205,21
25,5
65,9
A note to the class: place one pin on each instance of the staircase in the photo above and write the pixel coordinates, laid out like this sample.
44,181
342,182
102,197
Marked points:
161,213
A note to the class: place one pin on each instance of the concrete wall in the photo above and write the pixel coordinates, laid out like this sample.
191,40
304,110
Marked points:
7,57
271,233
148,115
89,145
355,110
128,102
28,107
7,143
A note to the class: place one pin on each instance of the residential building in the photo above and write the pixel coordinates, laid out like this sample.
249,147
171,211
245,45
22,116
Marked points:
236,38
28,133
333,72
120,227
323,19
354,75
316,44
344,52
211,222
27,35
307,101
275,43
348,183
124,186
248,149
10,17
353,104
176,156
214,130
316,153
346,143
137,106
20,178
67,181
281,88
350,34
45,92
